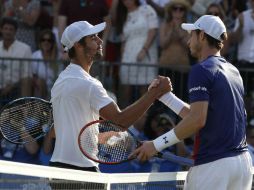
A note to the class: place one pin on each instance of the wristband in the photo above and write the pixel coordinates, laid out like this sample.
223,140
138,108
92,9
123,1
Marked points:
165,140
173,102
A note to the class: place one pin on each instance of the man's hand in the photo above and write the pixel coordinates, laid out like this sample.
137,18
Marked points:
162,85
154,84
144,152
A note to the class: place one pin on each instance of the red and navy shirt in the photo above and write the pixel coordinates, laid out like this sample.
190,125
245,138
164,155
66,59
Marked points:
219,83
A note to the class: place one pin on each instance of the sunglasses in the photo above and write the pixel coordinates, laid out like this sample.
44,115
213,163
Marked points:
46,40
176,8
213,13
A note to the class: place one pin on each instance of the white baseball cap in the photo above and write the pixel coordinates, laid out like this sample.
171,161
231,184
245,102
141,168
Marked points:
77,30
211,25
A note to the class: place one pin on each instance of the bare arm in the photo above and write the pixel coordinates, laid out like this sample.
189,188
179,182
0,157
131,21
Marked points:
191,124
193,121
133,112
165,35
237,35
150,38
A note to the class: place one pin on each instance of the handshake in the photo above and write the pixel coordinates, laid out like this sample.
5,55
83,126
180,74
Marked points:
161,85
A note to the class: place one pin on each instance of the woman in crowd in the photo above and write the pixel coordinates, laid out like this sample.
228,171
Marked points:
138,26
44,68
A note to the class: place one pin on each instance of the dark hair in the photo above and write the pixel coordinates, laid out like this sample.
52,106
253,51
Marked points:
52,41
121,15
47,32
221,13
72,52
9,20
212,42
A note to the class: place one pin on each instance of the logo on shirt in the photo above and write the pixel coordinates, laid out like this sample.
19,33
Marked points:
197,89
165,140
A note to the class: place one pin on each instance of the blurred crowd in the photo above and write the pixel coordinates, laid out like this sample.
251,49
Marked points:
138,32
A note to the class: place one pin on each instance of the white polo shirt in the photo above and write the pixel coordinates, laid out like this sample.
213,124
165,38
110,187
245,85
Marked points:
77,98
13,71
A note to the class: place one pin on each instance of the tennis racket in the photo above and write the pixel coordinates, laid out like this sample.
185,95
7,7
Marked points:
25,119
108,143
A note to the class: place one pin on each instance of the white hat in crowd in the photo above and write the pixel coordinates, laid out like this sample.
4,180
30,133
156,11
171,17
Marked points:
77,30
211,25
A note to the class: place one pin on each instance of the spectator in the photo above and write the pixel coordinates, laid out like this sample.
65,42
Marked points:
228,10
173,44
156,124
15,81
26,12
173,39
138,26
45,68
243,35
27,153
216,10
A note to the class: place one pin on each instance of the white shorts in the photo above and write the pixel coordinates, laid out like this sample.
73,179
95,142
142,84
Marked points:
232,173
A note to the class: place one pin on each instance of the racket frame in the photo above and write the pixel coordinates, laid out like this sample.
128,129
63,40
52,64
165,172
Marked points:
97,160
23,99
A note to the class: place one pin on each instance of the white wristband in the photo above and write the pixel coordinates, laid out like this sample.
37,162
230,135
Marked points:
166,140
173,102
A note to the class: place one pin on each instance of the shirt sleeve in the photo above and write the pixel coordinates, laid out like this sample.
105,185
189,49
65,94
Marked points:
99,97
200,81
152,18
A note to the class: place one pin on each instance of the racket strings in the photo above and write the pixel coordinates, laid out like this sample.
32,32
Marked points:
110,142
24,120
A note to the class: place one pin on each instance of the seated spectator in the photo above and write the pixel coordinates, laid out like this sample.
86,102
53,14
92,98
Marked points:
26,153
26,12
45,67
15,80
155,126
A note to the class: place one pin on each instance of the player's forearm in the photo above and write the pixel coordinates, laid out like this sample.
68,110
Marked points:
190,125
186,128
133,112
